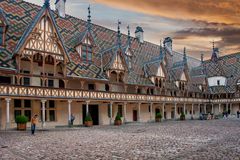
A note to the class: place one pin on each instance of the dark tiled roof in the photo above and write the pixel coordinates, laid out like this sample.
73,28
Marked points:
20,14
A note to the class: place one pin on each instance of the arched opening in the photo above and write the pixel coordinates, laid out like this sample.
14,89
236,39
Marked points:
49,65
121,77
25,65
60,69
113,76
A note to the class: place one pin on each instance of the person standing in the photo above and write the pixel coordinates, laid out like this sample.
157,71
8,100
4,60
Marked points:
33,123
238,113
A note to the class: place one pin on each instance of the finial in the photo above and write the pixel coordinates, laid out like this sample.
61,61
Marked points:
89,14
213,44
89,19
47,3
119,34
202,57
161,51
129,36
184,55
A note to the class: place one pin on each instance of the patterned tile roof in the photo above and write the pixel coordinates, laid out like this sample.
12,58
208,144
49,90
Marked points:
20,14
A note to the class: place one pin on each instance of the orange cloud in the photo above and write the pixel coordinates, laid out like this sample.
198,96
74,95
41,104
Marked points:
220,11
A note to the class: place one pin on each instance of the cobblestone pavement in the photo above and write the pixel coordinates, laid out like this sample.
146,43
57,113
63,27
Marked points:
215,139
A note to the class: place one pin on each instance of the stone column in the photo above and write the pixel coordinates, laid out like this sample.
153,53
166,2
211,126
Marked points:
199,108
69,112
205,108
151,112
175,111
184,108
231,112
8,112
111,114
219,108
87,107
192,111
43,112
212,109
139,112
125,112
163,110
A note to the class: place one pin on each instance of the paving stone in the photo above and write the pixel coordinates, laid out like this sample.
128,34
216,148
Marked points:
171,140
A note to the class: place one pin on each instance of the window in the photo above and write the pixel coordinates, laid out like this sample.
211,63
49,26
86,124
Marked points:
61,84
50,111
23,107
50,83
87,52
120,110
91,87
5,80
106,87
218,82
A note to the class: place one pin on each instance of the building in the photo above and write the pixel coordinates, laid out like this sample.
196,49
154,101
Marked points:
53,64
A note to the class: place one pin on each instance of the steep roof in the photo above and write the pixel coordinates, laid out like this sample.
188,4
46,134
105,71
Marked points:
20,14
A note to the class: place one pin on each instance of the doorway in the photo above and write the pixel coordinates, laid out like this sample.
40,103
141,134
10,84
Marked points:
93,111
135,115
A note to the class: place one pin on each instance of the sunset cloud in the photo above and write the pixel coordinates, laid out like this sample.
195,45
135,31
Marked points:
220,11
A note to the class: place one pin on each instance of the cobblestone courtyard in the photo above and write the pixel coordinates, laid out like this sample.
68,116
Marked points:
216,139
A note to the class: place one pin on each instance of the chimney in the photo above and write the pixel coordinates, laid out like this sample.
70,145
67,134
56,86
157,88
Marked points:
60,7
168,42
139,34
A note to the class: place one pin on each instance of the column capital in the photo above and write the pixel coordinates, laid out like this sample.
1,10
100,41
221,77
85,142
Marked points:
43,100
125,103
88,101
111,102
69,101
8,99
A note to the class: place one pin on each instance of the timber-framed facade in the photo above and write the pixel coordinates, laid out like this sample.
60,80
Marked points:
55,65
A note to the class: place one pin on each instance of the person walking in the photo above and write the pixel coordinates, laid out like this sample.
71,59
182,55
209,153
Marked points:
33,123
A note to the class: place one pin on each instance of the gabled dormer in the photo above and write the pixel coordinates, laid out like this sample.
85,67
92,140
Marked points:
114,61
3,28
86,44
155,69
41,50
180,72
128,50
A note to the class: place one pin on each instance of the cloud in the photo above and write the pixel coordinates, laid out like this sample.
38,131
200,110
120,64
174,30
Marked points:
220,11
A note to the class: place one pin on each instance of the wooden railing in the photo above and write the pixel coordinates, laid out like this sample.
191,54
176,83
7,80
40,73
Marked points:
76,94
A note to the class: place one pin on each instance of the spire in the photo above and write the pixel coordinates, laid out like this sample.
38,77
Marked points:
161,49
47,3
89,19
184,55
119,34
202,58
129,36
214,52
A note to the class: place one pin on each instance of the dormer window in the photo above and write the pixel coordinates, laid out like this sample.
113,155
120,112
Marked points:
87,53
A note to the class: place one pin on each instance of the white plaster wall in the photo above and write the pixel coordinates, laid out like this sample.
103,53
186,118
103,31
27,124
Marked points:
212,81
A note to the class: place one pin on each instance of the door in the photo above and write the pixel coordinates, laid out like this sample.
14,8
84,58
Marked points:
157,110
93,111
134,115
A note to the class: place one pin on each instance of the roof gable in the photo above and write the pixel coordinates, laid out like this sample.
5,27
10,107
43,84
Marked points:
43,28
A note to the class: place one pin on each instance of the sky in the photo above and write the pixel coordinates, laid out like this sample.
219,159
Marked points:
193,24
